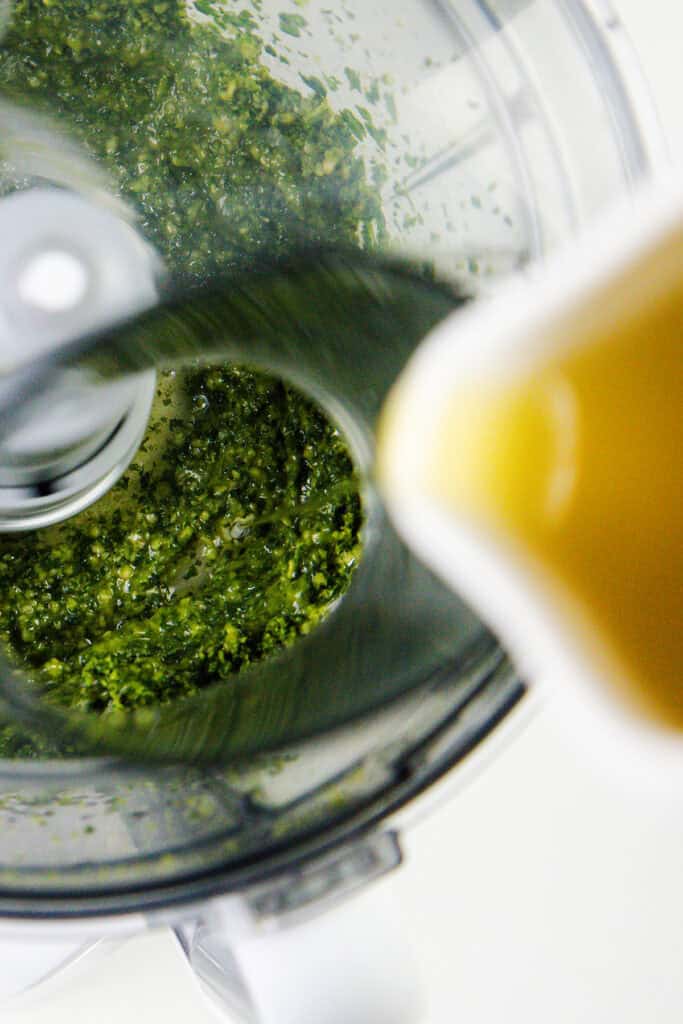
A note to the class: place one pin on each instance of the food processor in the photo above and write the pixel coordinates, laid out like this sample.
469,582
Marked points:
487,133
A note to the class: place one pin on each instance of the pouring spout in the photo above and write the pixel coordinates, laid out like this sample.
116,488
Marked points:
536,438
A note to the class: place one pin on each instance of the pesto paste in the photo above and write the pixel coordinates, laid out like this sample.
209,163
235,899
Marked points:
238,525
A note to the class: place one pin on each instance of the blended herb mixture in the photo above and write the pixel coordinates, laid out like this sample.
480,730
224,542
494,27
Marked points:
237,527
233,539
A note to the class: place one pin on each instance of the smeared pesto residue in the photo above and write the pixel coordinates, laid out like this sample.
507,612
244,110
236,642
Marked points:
238,526
292,24
220,160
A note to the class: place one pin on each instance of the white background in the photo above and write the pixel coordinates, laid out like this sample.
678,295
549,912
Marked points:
541,893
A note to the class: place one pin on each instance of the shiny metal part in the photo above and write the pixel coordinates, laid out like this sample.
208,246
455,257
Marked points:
53,498
68,266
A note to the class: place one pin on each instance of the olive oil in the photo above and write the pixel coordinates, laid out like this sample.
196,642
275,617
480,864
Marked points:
581,462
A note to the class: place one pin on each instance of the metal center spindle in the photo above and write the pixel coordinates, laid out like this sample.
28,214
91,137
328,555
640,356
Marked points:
68,267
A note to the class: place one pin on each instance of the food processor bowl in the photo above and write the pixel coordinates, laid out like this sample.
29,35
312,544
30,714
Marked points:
486,134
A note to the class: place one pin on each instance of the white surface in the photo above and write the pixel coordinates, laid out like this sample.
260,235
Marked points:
543,893
299,961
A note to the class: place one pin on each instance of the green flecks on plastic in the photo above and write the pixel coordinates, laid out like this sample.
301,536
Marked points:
237,527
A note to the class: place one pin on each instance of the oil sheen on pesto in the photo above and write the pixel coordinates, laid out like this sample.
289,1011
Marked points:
237,527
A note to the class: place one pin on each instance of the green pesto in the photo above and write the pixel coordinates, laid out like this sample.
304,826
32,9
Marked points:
238,525
229,536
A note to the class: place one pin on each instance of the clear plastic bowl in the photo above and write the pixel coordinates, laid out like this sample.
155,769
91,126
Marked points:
500,127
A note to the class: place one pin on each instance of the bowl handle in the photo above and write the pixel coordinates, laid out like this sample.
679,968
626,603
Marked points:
351,964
